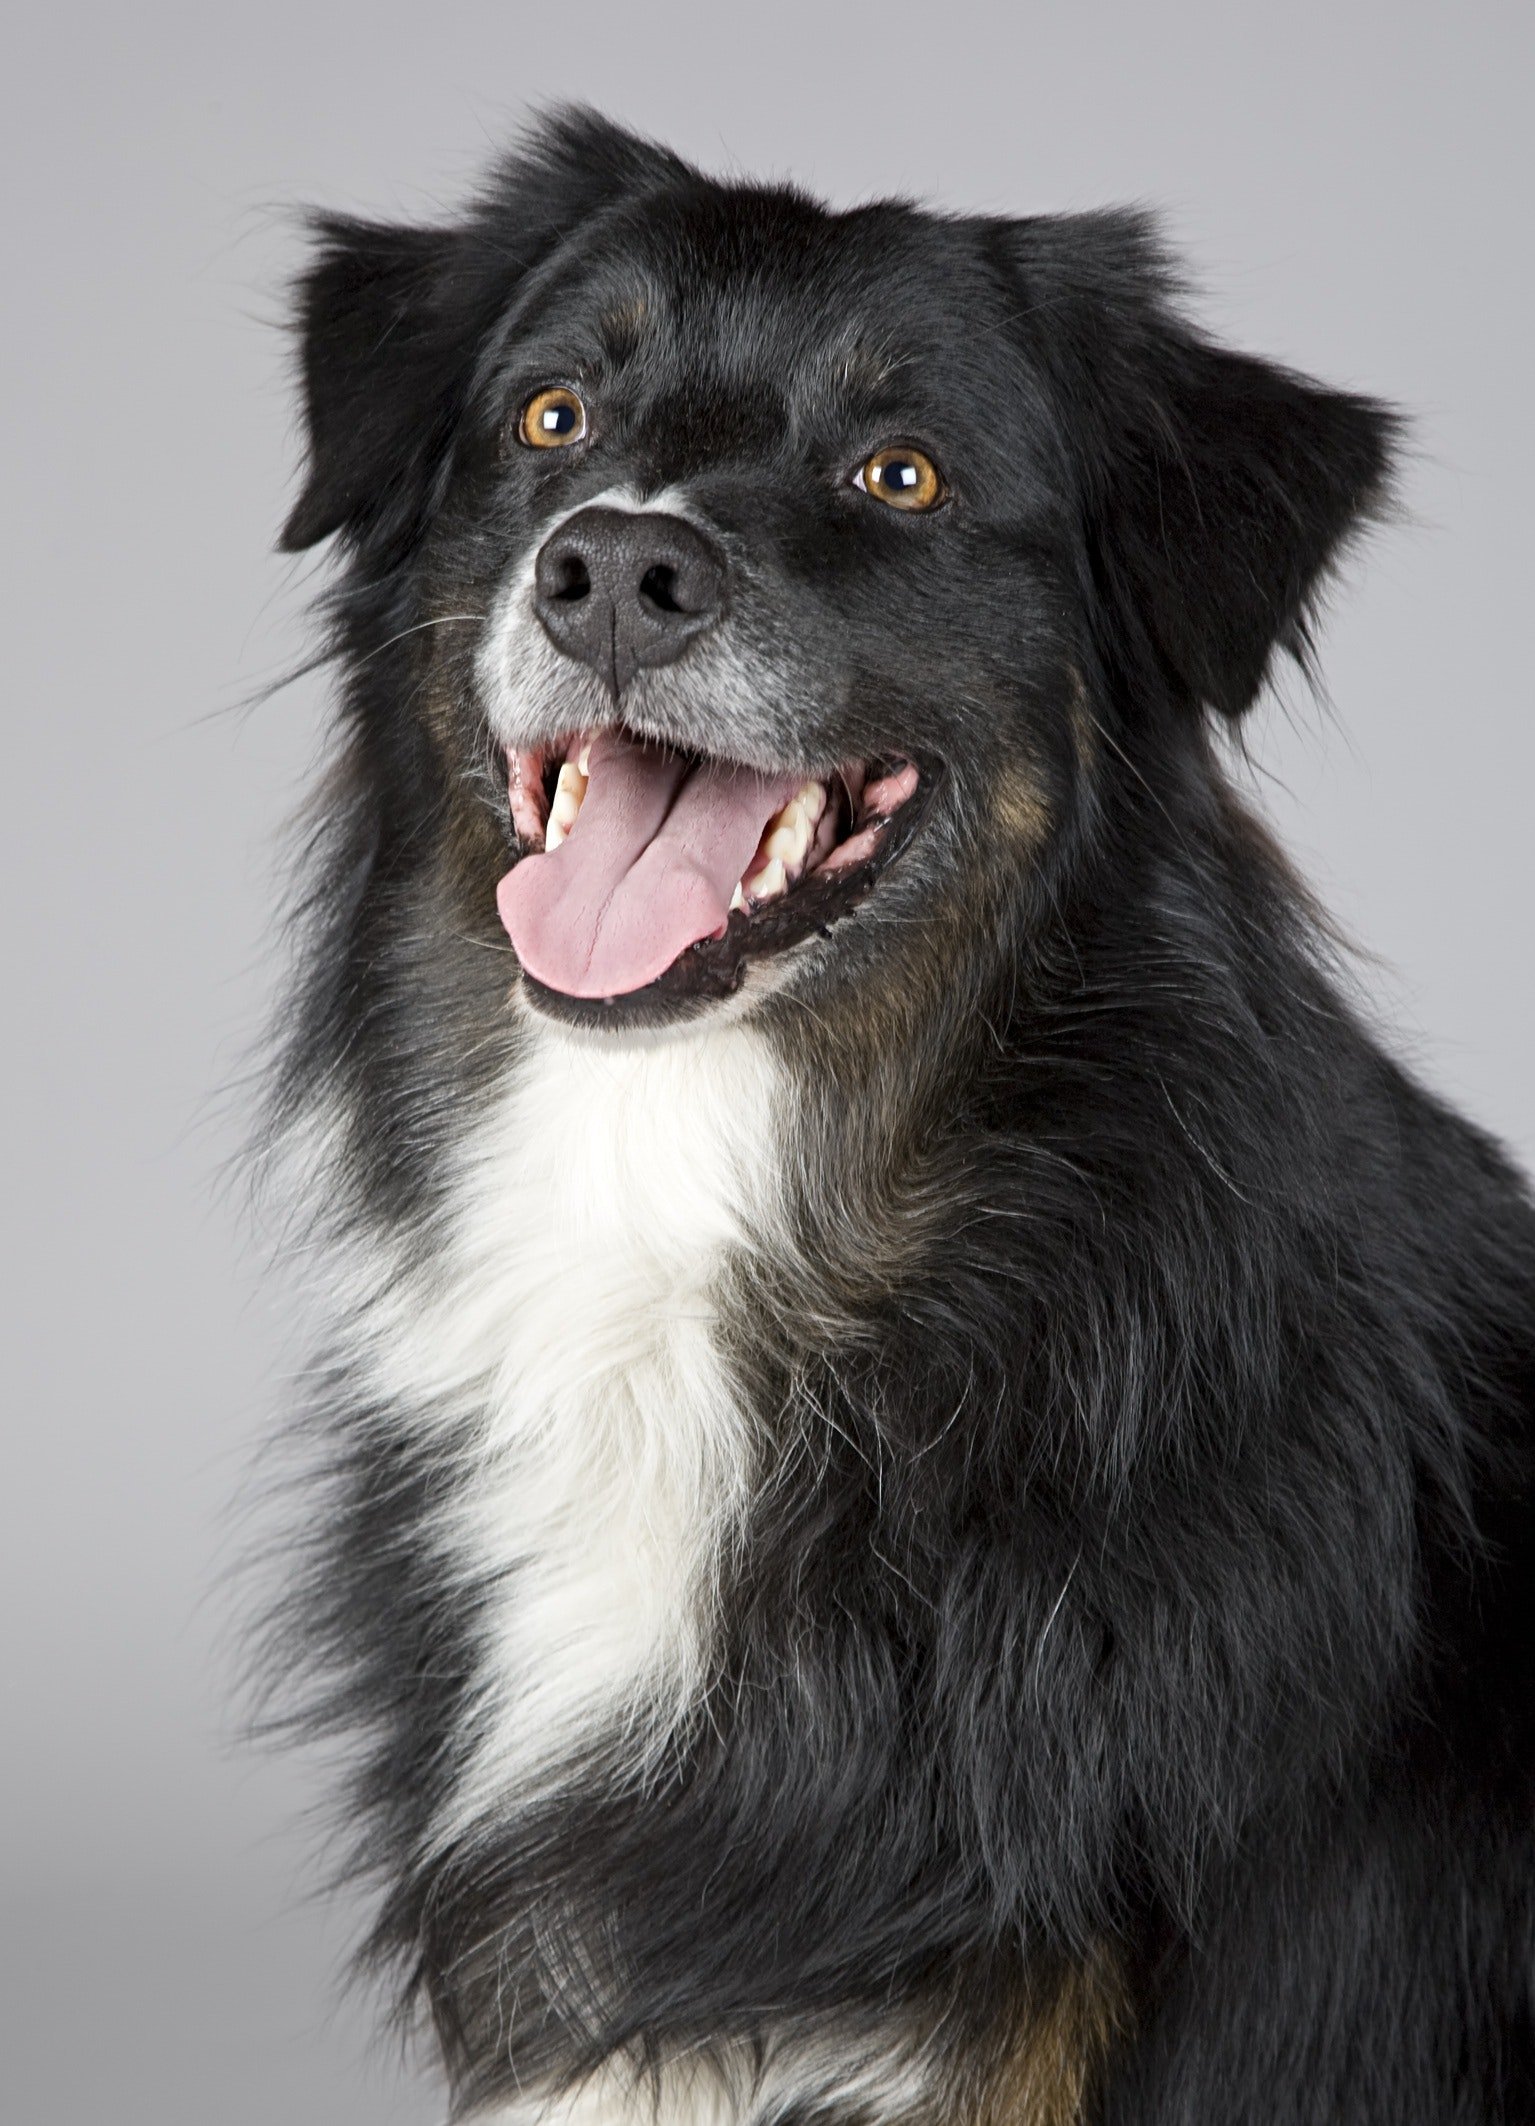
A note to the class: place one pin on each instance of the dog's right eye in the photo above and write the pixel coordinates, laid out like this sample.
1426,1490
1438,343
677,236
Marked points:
552,418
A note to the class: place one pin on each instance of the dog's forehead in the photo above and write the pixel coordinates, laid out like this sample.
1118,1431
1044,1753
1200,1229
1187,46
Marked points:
767,292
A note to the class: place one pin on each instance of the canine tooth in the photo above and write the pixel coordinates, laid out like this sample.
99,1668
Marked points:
568,793
812,800
768,883
554,833
738,898
584,763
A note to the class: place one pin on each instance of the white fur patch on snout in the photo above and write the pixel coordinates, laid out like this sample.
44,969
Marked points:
518,670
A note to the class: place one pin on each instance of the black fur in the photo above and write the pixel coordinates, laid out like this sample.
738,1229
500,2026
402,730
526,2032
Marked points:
1151,1385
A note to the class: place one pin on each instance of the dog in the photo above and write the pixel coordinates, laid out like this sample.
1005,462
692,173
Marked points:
924,1448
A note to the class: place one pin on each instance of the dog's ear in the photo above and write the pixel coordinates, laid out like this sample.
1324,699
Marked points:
379,372
1217,489
390,321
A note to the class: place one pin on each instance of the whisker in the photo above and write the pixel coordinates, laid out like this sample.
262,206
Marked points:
442,620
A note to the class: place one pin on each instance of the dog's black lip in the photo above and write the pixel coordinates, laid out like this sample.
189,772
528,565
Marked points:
715,968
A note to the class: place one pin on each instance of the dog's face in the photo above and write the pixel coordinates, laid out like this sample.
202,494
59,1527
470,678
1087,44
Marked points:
776,581
763,521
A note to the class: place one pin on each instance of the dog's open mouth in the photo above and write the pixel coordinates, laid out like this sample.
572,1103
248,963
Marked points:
651,874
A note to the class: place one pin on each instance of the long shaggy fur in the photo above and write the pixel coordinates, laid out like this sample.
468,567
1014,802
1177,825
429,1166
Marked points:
949,1543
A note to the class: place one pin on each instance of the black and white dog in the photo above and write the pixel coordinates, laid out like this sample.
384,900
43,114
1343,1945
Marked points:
929,1448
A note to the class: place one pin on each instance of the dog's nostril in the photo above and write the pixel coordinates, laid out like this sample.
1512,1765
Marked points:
620,588
572,581
658,588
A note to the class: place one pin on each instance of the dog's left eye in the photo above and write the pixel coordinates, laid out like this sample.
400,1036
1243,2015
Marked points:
552,418
902,478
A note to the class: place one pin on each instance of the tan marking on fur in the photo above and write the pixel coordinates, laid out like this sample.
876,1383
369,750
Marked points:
622,326
1047,2073
1084,729
866,368
1017,803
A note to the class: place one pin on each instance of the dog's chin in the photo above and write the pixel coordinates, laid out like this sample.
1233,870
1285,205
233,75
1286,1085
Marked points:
820,859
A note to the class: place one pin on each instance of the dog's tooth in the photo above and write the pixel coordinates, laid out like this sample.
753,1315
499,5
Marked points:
554,833
738,898
812,801
568,793
787,843
584,761
788,815
788,834
768,883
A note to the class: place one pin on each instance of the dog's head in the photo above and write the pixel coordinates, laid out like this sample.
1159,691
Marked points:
777,588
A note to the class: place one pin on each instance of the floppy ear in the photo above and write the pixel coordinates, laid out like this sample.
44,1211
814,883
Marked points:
390,321
381,377
1217,489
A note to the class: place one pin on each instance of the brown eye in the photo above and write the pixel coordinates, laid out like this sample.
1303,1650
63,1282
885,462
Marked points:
902,477
552,418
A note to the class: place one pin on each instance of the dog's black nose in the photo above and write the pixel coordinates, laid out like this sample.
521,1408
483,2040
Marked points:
622,588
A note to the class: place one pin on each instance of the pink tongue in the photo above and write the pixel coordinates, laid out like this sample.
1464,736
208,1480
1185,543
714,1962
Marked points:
648,868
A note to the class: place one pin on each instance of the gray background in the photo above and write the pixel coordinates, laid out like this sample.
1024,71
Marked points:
1352,183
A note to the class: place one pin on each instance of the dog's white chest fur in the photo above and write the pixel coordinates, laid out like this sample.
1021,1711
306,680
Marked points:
566,1340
